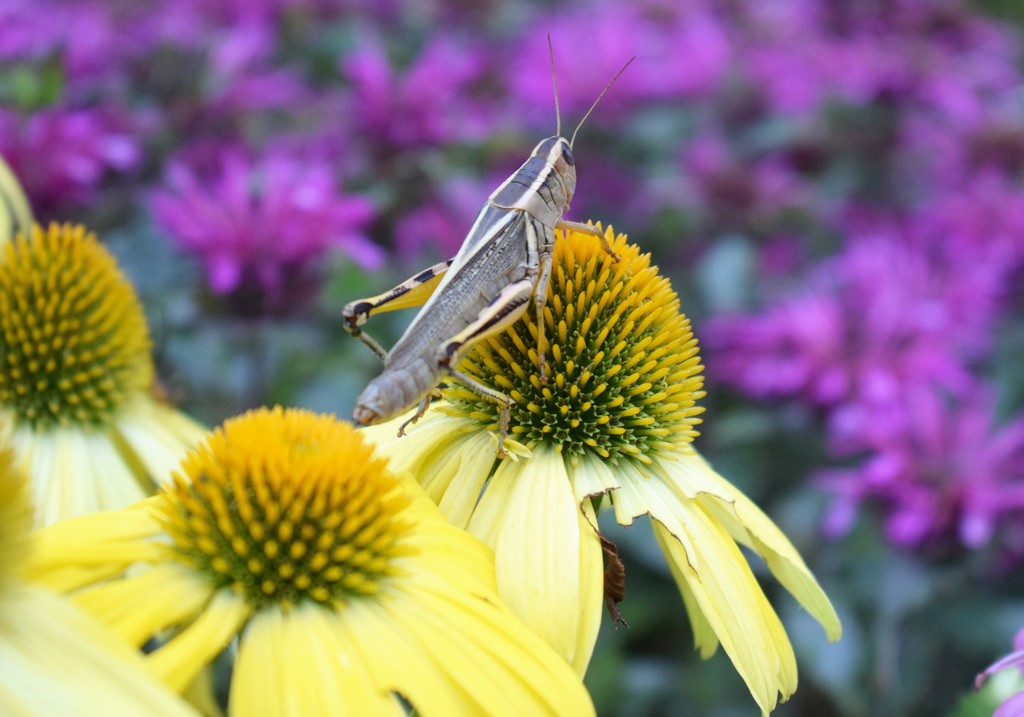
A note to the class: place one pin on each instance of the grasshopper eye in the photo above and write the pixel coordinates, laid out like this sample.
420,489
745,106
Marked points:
568,157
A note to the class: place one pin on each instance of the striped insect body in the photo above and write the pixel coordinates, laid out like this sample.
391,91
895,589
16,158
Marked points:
503,264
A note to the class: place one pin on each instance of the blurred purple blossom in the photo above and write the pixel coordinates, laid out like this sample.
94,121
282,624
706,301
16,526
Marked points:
262,226
875,319
935,55
682,52
945,476
428,103
62,155
752,194
440,224
85,36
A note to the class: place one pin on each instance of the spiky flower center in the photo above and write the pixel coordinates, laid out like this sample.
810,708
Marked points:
73,337
285,506
623,373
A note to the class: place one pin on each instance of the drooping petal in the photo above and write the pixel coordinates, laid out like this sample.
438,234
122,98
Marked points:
726,592
748,525
81,550
451,462
546,552
376,636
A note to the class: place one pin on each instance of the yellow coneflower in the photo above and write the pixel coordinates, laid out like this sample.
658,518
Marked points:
54,660
349,591
614,418
76,377
15,213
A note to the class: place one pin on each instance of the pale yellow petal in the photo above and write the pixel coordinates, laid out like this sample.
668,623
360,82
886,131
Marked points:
728,595
81,550
503,668
291,665
704,637
158,436
202,693
178,661
56,661
449,459
591,476
468,562
368,633
544,550
74,472
15,212
635,493
751,527
137,607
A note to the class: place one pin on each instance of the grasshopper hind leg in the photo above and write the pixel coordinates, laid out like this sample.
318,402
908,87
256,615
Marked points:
503,311
540,300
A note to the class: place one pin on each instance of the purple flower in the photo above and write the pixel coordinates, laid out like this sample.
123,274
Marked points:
943,475
802,53
748,194
682,52
428,103
262,226
85,35
441,223
62,155
877,318
1013,706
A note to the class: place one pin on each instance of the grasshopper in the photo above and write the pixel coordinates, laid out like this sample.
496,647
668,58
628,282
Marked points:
504,262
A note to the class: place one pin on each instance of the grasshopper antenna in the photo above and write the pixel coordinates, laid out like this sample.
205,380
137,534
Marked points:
606,88
554,83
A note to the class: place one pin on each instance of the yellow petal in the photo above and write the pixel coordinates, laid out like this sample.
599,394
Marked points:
504,669
546,553
56,661
137,607
591,476
74,472
374,636
751,527
178,661
292,664
15,213
158,436
728,595
450,460
81,550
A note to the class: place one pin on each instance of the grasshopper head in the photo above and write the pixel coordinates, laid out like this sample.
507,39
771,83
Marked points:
558,154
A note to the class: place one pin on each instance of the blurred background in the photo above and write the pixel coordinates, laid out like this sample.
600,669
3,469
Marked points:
834,186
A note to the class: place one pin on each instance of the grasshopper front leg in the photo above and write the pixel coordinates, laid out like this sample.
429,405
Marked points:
411,292
503,311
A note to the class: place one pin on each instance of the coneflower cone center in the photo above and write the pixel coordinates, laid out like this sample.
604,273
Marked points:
287,506
622,366
73,337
